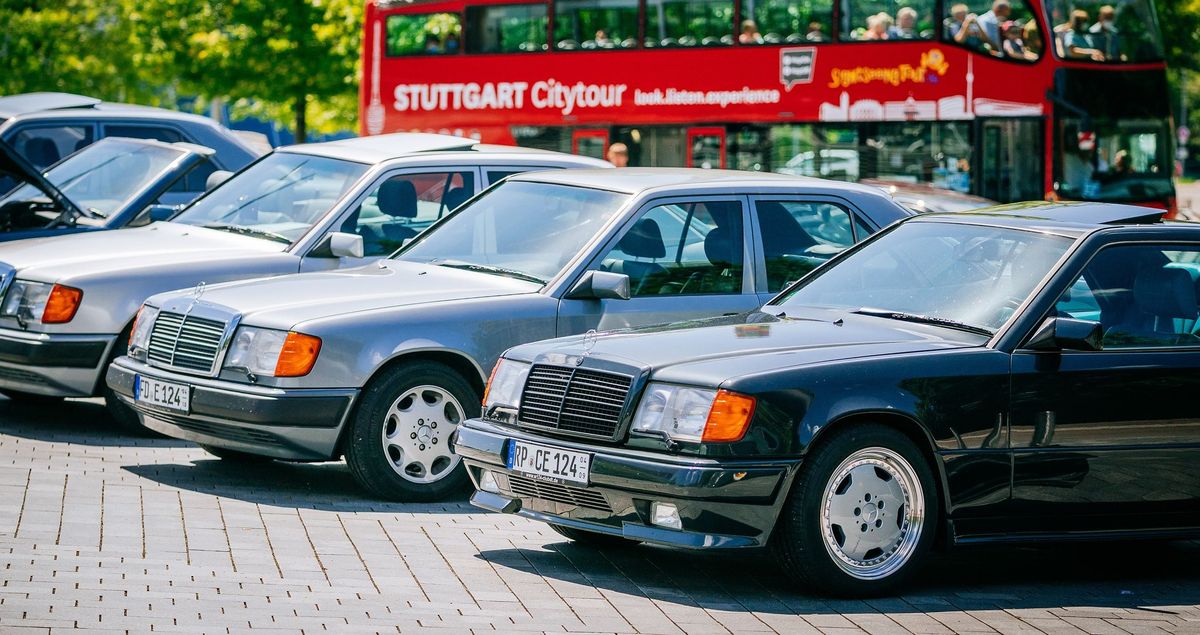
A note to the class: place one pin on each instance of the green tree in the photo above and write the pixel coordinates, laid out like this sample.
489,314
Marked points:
79,46
286,60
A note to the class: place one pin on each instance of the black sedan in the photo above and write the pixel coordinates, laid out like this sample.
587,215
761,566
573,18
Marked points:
1019,373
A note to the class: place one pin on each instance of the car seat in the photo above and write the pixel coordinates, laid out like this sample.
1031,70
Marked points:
1161,295
784,244
455,197
644,240
41,152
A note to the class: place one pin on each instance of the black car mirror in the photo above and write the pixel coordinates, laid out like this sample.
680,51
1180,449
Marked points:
600,285
1067,334
339,245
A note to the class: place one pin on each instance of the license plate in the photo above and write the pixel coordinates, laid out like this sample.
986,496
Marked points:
163,394
546,463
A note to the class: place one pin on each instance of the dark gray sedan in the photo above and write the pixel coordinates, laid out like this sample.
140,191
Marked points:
381,363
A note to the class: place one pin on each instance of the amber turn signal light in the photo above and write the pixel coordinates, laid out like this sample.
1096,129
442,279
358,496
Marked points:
61,305
728,418
298,355
488,386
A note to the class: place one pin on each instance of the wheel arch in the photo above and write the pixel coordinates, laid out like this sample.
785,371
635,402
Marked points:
910,427
459,362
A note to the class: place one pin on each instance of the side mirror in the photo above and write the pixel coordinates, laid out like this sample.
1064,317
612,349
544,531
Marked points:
339,245
1067,334
216,178
599,285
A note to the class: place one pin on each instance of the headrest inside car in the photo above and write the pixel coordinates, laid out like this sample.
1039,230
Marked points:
644,240
1165,293
397,198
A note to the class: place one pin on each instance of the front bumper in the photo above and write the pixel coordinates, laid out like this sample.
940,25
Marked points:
722,503
292,424
55,365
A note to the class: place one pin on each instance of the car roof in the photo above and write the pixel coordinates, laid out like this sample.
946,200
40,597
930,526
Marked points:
380,148
183,146
69,106
1072,218
637,180
26,103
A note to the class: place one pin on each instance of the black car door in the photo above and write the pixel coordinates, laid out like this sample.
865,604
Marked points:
1109,440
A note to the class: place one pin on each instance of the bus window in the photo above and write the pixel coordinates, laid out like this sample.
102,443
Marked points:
869,20
786,21
595,24
1111,31
689,23
425,34
1130,161
1003,28
513,28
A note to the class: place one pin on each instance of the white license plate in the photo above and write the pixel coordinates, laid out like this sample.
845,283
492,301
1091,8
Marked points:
548,463
163,394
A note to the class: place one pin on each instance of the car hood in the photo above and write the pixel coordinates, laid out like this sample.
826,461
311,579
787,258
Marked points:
710,352
287,302
166,245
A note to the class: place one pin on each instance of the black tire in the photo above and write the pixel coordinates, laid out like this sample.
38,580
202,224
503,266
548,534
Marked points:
799,543
30,399
226,454
371,461
125,418
591,538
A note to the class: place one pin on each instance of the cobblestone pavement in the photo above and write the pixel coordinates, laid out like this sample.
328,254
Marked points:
104,532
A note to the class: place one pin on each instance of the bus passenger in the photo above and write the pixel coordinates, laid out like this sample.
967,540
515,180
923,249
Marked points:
1075,42
432,44
906,25
990,23
816,32
1014,43
750,34
1102,36
618,155
963,27
1033,40
877,26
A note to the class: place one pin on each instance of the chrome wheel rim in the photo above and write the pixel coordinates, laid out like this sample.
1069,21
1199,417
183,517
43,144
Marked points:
415,430
872,513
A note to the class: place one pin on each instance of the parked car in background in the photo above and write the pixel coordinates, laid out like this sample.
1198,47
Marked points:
46,127
103,186
923,198
1019,373
380,364
69,302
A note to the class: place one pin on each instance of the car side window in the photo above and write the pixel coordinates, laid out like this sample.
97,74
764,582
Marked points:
798,236
43,146
404,205
156,133
682,249
1144,296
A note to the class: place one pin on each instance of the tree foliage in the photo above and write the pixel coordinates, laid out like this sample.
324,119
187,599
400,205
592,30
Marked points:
290,61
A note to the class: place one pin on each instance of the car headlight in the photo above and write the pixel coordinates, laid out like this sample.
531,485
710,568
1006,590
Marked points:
273,353
41,301
697,415
143,325
505,385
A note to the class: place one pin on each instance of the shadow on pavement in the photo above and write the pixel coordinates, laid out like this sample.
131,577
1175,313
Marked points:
1138,576
323,486
81,422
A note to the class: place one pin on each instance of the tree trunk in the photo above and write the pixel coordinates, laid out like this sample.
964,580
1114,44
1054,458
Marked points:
301,108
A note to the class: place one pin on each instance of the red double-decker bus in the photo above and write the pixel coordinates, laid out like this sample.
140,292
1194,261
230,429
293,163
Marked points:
1006,99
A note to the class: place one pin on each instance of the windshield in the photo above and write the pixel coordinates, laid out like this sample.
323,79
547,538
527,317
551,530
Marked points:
530,229
1105,31
1130,161
278,198
103,177
963,273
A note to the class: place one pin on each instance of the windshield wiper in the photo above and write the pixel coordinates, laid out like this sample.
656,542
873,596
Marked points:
492,269
248,231
924,319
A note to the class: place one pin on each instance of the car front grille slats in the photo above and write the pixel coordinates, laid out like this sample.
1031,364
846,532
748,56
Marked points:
523,487
574,400
185,342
